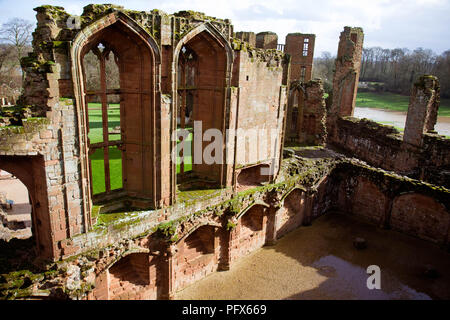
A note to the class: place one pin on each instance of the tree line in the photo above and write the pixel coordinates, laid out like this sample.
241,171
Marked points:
394,70
15,43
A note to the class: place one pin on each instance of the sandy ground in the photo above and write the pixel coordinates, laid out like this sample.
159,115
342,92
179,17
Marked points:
320,262
398,119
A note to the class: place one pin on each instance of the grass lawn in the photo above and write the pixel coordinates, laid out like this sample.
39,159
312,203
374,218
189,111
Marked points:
394,102
115,156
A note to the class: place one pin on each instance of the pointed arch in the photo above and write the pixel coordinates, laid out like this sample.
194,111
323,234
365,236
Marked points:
147,100
212,90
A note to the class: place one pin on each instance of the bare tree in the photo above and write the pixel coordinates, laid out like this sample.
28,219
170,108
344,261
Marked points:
17,32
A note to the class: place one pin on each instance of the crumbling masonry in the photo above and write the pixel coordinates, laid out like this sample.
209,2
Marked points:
164,228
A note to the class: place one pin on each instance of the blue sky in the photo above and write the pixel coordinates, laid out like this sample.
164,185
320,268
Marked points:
386,23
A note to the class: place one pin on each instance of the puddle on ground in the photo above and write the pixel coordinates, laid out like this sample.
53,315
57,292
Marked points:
320,262
348,281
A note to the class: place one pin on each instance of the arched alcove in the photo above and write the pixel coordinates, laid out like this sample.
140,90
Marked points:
253,176
202,62
124,110
292,213
250,232
129,276
196,256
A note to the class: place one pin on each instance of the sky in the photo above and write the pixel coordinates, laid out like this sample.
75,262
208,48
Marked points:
386,23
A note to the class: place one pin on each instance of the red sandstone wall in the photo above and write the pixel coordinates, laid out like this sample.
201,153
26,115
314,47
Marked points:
294,47
291,215
368,201
420,216
197,257
412,213
249,234
380,146
261,100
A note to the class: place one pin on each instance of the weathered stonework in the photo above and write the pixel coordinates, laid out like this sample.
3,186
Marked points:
163,231
422,110
300,46
346,74
266,40
306,117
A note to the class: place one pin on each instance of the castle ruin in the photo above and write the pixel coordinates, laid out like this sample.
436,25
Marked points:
168,224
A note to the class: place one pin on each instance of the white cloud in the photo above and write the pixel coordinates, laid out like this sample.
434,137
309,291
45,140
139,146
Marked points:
389,23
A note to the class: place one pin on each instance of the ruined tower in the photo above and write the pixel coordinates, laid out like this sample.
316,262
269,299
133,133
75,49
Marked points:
422,110
249,37
346,75
266,40
300,46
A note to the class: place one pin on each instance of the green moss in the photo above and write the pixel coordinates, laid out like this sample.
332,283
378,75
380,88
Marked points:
8,130
231,225
37,120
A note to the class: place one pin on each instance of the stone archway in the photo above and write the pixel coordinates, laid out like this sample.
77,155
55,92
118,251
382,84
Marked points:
292,213
30,170
250,232
202,61
137,58
197,256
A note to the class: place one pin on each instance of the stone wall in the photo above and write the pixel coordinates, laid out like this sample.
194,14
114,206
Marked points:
43,154
249,37
266,40
346,74
301,58
260,105
306,116
422,110
391,201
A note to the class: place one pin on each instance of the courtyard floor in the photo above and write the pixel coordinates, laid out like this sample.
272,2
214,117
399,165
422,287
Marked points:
320,262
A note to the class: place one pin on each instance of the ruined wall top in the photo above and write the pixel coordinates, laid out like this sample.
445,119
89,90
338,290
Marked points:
350,46
48,67
422,110
346,74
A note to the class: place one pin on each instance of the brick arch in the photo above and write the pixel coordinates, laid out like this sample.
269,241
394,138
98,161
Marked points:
256,203
291,215
30,170
210,104
197,226
140,96
250,232
421,216
368,201
125,278
197,255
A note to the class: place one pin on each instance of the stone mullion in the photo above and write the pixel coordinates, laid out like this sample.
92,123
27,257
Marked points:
272,217
105,123
182,113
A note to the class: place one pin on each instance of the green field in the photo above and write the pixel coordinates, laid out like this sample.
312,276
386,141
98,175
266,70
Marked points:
394,102
115,156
